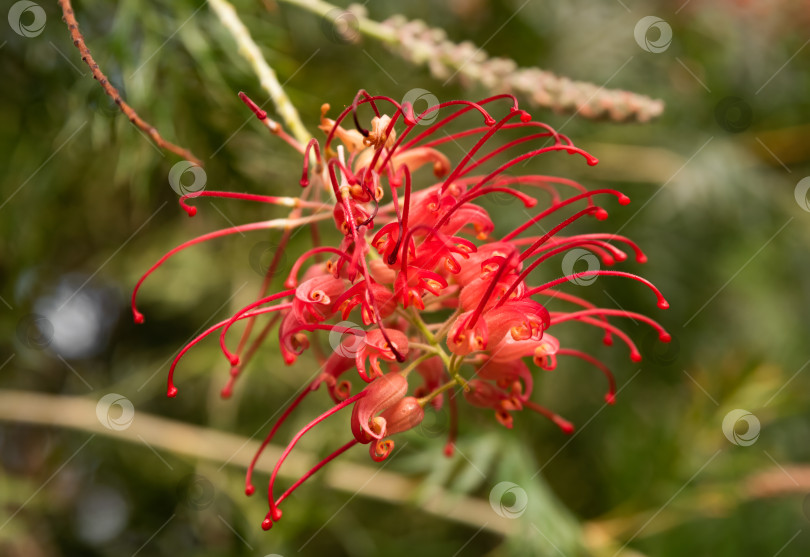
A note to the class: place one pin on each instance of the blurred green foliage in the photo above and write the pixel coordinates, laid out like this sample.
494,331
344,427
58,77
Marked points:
86,205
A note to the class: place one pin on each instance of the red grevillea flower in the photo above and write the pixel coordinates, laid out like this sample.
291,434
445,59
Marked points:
419,264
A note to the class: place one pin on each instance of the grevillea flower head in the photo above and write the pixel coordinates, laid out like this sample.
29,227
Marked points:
449,309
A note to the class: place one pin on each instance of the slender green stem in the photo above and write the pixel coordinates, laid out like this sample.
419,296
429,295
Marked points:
426,347
453,369
267,77
416,319
430,396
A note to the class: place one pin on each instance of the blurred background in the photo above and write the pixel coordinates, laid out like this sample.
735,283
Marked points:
705,451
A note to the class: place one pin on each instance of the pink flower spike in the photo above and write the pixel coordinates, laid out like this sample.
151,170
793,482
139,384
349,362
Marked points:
446,300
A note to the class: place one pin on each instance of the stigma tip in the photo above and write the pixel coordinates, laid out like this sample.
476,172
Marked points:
566,426
260,114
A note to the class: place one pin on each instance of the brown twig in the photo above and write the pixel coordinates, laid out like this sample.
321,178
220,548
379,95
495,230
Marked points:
78,40
156,432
